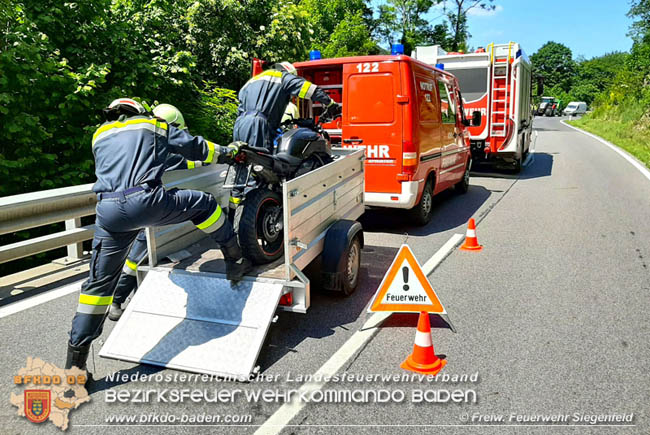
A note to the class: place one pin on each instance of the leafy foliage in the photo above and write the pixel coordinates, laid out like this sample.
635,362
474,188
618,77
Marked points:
554,62
621,111
405,21
458,19
341,27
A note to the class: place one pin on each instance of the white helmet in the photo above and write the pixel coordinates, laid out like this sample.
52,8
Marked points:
285,66
127,105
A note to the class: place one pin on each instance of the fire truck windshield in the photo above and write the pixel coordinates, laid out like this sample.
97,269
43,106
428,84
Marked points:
473,82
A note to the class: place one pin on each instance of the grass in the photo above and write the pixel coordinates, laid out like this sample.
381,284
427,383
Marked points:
624,134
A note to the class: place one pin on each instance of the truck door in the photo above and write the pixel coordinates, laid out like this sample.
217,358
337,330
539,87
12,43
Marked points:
372,120
452,163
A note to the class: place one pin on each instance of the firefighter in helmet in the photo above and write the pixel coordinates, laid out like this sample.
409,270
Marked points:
127,281
262,103
264,98
132,149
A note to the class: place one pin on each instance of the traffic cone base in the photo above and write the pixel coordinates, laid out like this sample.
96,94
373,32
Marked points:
423,358
425,369
471,242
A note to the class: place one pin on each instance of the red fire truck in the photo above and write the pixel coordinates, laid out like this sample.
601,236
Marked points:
496,82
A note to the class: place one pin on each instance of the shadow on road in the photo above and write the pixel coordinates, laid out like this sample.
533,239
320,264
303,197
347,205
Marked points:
410,320
328,311
539,165
449,211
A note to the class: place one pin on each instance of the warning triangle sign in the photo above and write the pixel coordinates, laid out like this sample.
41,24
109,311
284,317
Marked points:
405,288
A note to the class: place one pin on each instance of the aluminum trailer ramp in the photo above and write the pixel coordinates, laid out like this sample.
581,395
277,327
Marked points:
195,322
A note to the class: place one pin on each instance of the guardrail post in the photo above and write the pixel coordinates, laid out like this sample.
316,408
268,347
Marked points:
76,251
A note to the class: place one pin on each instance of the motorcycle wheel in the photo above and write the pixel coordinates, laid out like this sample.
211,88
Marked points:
259,224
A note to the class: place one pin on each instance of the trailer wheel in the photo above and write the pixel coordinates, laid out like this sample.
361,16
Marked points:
421,213
463,185
341,257
350,267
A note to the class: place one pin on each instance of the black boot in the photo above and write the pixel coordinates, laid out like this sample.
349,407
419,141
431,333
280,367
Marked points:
77,356
236,264
115,312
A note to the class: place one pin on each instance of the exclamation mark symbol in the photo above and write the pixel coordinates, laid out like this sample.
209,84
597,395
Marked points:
405,273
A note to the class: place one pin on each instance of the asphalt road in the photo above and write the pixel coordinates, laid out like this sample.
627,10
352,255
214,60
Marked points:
551,316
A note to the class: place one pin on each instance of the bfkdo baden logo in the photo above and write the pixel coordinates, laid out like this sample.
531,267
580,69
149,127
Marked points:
37,405
50,393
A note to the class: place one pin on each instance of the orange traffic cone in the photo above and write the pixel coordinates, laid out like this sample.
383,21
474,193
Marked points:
471,242
423,359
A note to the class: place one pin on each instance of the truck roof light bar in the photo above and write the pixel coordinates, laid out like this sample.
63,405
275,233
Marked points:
397,49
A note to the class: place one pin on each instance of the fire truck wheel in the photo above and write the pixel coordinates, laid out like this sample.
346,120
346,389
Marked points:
463,185
421,213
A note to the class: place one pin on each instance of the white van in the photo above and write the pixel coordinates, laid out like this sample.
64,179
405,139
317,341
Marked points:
575,108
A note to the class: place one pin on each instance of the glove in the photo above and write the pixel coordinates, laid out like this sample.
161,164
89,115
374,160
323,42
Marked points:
332,110
228,153
233,147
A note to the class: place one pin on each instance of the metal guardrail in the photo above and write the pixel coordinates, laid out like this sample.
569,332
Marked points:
30,210
70,204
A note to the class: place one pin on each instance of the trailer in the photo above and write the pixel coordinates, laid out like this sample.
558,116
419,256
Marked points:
498,83
185,315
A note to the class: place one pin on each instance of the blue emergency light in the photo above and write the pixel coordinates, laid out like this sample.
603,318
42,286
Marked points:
397,49
314,55
440,66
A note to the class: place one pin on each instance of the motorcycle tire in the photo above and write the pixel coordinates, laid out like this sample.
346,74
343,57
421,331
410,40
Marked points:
259,223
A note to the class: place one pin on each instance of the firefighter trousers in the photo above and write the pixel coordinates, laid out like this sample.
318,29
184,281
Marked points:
128,278
118,222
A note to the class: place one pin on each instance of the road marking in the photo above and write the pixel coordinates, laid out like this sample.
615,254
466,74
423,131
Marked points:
28,303
288,411
442,253
627,156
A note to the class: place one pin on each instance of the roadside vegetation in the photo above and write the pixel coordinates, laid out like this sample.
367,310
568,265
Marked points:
616,86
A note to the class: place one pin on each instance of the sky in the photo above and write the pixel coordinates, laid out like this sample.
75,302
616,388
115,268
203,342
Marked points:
589,28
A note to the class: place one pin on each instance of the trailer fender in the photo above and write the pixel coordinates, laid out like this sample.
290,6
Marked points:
337,240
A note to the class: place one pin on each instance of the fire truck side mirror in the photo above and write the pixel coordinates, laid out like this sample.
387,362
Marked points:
476,118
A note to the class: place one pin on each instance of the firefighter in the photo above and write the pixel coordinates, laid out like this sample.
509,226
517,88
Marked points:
264,98
128,282
262,103
131,149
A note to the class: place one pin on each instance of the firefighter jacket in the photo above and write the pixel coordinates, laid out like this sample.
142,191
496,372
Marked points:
263,100
136,150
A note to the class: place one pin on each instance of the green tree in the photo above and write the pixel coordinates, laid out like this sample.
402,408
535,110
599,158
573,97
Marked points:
405,21
594,75
640,10
458,18
227,35
350,38
554,63
341,26
40,96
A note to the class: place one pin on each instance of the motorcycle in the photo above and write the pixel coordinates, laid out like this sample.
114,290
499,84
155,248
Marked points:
255,177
